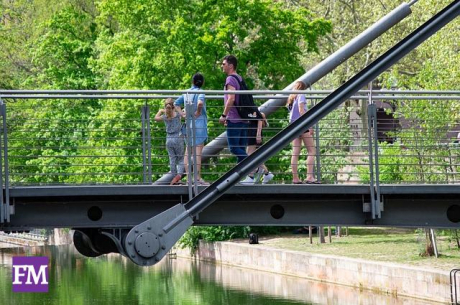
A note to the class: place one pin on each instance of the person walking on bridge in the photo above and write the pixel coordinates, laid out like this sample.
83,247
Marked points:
297,106
237,128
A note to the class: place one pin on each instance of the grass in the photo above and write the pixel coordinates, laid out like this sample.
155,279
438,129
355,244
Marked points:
377,244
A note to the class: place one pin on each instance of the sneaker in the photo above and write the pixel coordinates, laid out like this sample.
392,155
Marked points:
247,181
258,174
267,178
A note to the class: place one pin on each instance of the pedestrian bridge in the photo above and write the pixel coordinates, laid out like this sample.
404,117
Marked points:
378,161
103,170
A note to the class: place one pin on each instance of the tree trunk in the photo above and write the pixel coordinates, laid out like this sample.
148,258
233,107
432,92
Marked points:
456,238
321,235
429,246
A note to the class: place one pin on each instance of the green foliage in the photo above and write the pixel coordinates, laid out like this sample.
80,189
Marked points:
391,167
193,235
159,46
61,56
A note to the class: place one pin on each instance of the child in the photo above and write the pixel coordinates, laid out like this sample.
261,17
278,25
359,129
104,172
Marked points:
254,142
174,141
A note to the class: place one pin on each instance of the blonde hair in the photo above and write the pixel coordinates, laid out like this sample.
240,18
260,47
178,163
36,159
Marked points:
169,111
299,85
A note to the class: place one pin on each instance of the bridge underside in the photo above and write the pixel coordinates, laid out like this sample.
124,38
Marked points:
435,206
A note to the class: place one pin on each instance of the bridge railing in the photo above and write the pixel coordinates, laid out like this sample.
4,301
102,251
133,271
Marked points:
110,137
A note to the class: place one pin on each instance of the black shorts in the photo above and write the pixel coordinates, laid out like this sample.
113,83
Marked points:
252,135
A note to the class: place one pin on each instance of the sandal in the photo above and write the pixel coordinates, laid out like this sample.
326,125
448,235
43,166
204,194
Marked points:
202,182
312,182
176,179
298,182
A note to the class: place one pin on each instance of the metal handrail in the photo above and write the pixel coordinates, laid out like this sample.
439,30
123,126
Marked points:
453,286
161,91
97,141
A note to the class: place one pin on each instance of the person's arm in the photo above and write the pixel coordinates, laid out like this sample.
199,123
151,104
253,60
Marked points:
259,131
199,108
302,103
159,115
228,105
179,110
178,105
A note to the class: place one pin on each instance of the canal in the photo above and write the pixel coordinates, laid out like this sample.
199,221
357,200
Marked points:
112,279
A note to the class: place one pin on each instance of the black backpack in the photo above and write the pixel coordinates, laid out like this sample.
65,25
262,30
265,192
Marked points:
253,238
246,107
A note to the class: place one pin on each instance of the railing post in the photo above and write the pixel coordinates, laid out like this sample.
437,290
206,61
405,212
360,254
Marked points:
2,201
378,203
144,161
373,156
149,144
188,118
370,111
6,200
193,146
318,160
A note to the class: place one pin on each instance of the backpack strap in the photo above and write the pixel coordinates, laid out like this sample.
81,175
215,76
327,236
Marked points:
237,79
239,83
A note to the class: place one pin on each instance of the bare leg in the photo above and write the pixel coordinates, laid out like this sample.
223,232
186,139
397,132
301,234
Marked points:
251,149
199,150
186,161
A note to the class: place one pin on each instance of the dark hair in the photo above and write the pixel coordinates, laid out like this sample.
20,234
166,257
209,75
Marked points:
198,80
231,60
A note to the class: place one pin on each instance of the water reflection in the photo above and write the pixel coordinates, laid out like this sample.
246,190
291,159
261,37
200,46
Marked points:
115,280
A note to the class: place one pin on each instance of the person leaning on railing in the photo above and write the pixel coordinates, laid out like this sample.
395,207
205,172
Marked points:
174,141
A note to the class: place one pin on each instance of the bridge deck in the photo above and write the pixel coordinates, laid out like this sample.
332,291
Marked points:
127,205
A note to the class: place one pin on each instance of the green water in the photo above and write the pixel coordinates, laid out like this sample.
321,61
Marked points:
112,279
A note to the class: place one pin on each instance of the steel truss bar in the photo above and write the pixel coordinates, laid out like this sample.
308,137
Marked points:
162,231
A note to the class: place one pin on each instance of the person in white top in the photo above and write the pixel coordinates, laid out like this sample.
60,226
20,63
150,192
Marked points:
297,106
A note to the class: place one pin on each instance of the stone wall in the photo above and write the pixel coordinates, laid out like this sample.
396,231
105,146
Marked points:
60,237
396,279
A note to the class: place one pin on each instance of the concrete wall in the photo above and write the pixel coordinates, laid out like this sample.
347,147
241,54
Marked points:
383,277
61,237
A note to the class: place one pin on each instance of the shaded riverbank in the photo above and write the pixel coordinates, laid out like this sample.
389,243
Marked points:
385,278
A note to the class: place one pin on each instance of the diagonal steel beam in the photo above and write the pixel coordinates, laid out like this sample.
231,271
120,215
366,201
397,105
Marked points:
162,231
